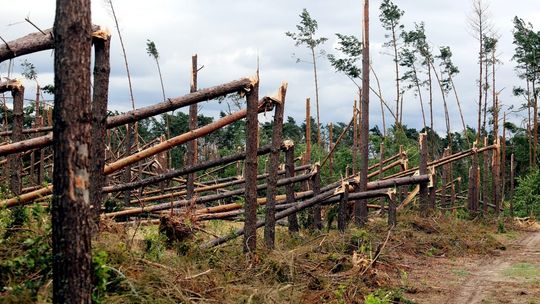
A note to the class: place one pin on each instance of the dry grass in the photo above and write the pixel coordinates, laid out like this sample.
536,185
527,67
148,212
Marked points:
306,268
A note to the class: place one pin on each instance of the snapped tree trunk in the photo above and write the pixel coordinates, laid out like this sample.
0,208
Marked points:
192,145
273,168
99,122
252,126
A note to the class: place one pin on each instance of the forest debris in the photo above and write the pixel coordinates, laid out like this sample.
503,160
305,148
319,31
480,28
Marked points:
178,229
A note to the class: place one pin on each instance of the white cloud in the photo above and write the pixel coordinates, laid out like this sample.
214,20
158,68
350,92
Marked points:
228,36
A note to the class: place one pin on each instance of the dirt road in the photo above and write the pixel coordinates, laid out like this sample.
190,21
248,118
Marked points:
513,277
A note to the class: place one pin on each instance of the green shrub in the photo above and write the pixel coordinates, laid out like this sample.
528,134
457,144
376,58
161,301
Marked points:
526,198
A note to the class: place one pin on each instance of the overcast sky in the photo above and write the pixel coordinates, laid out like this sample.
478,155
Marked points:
229,35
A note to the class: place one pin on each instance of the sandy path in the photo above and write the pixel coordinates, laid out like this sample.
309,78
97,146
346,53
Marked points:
512,277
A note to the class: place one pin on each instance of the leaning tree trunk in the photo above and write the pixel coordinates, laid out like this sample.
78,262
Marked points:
72,281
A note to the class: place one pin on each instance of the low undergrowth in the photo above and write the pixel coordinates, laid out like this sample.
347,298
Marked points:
137,264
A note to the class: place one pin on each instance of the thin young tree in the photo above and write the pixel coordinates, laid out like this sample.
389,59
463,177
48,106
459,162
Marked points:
360,208
448,71
306,36
479,22
71,233
416,39
390,15
527,56
411,77
134,126
152,51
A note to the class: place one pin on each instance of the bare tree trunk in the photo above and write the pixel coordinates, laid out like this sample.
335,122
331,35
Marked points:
485,178
126,176
307,156
535,126
460,111
446,114
14,160
419,95
422,169
192,145
512,173
71,208
381,167
343,203
273,167
355,139
399,109
360,207
139,114
99,123
330,148
289,189
445,171
486,85
474,177
319,142
250,174
503,160
124,55
316,186
481,73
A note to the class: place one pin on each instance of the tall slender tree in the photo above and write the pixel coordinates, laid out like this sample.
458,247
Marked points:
417,40
412,77
449,70
71,233
527,56
479,22
360,207
152,51
306,35
390,15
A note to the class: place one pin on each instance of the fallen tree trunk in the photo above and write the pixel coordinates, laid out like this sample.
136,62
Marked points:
28,131
138,114
294,209
264,105
202,199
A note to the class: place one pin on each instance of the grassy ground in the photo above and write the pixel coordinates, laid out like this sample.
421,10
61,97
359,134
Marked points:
137,265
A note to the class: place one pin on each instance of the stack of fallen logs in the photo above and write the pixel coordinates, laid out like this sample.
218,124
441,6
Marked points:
205,206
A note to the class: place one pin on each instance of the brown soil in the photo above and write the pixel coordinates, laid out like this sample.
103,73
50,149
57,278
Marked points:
505,276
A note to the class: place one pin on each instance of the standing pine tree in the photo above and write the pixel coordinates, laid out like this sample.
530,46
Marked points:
306,36
527,56
390,18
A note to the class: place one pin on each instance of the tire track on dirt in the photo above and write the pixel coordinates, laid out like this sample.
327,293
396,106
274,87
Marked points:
489,279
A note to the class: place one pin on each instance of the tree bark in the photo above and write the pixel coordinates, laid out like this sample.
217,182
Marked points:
72,282
360,207
192,145
473,185
294,209
99,120
343,203
252,126
273,168
289,189
15,161
422,169
316,187
142,113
